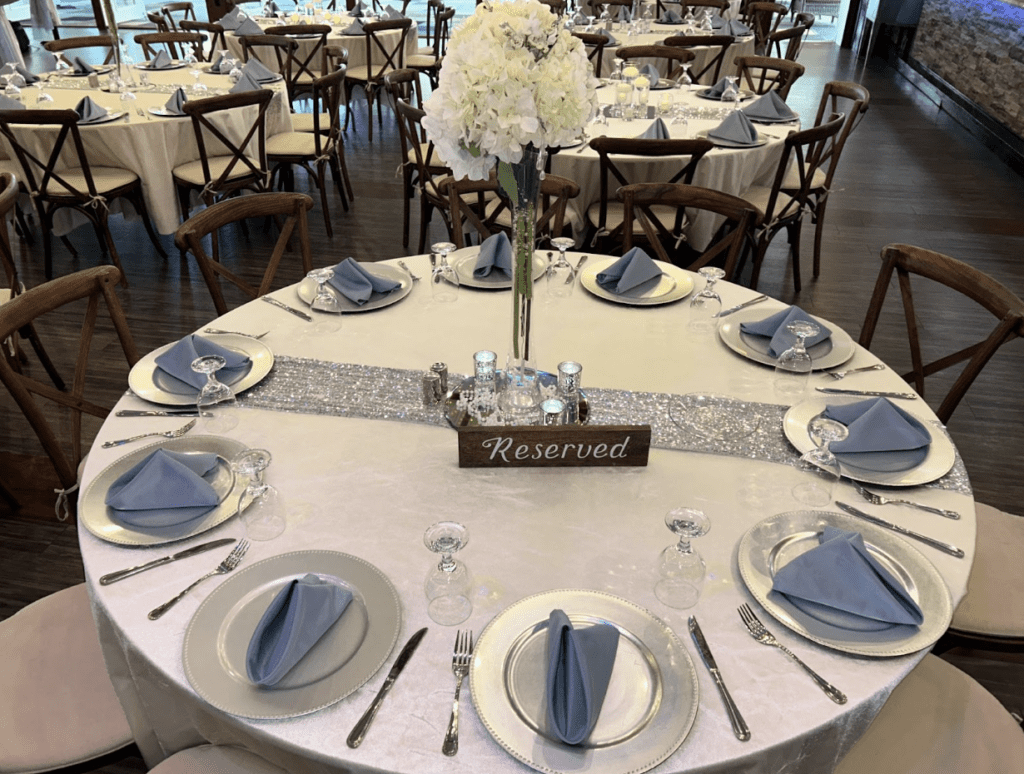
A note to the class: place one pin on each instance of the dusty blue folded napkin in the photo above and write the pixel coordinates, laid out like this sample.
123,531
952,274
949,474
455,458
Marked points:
165,489
391,13
671,17
177,361
161,61
89,111
173,105
355,28
625,14
736,28
651,73
634,268
495,254
7,103
774,328
770,106
248,27
232,19
840,574
47,62
656,131
735,128
9,69
357,284
245,83
609,38
218,63
580,665
259,72
718,89
877,425
81,67
358,9
296,619
717,22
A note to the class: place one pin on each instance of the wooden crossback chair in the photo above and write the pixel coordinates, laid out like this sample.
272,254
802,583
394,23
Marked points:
185,9
997,299
405,84
60,47
173,42
787,44
709,72
291,206
274,51
159,20
370,76
214,33
307,61
735,236
763,18
430,64
668,58
761,74
721,6
428,167
434,7
595,48
57,182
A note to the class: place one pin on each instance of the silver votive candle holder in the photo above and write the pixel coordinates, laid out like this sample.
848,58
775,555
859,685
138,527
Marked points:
441,369
485,372
552,412
432,392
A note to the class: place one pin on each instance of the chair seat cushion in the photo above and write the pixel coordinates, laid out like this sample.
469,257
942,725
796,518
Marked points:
938,720
615,216
362,73
791,182
759,196
105,179
192,173
303,122
292,144
993,605
210,759
419,60
57,707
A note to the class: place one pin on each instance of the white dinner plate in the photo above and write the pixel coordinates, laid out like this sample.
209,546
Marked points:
673,285
464,261
649,707
103,120
307,289
154,385
347,655
774,542
832,352
761,140
937,462
103,522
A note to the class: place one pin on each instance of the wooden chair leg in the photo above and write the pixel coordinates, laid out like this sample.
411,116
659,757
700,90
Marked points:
29,332
139,202
339,182
407,194
22,226
819,230
793,230
762,248
104,227
321,180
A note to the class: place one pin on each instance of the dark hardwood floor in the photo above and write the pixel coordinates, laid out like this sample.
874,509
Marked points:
909,174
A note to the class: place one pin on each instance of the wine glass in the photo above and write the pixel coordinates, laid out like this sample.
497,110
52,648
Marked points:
561,274
706,304
731,93
794,366
41,96
198,87
325,301
260,506
448,584
682,569
821,462
215,393
444,282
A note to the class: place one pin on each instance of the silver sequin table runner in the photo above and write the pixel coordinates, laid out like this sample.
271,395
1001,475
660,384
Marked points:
307,386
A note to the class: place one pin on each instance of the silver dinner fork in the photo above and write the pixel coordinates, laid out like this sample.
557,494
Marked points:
408,271
837,375
169,434
461,658
877,499
142,112
765,637
230,562
218,331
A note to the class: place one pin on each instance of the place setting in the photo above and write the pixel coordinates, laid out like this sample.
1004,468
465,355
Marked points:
487,266
636,279
352,286
764,336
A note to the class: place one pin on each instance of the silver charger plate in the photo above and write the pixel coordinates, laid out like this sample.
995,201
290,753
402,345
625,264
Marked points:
745,94
103,120
651,701
774,542
98,70
673,285
103,522
158,387
832,352
464,261
347,655
718,141
307,290
165,113
172,66
937,462
795,119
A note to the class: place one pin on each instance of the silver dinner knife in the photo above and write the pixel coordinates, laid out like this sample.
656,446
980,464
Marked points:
281,305
870,393
739,726
182,412
112,577
744,305
356,737
944,547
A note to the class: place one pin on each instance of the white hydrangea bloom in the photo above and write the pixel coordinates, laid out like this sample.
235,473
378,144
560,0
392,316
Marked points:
511,76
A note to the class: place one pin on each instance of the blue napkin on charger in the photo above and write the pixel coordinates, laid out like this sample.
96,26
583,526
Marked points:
232,19
735,128
245,83
770,106
495,253
580,665
718,89
7,69
177,361
634,268
877,425
671,16
47,62
625,15
218,64
296,619
357,284
358,9
161,61
717,22
656,131
164,489
81,67
89,111
391,14
355,28
8,103
840,574
259,72
651,73
611,41
173,105
249,27
736,28
774,327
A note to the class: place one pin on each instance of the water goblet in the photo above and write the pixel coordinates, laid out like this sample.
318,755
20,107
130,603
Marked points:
198,87
11,90
41,96
616,70
561,275
793,367
326,302
260,507
444,282
820,462
681,569
448,583
706,304
731,93
215,393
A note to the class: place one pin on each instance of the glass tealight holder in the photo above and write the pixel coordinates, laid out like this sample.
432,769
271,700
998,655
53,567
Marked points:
552,412
485,374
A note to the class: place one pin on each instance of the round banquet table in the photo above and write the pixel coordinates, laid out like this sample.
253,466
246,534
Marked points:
659,32
370,488
150,146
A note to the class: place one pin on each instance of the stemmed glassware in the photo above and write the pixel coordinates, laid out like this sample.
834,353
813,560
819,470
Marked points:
198,87
261,507
821,462
325,301
444,282
682,569
215,393
449,583
794,366
561,274
731,93
706,304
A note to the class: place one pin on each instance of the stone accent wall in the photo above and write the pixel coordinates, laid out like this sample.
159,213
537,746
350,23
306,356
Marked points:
977,46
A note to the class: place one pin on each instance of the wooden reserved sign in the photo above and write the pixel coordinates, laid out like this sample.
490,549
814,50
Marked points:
568,446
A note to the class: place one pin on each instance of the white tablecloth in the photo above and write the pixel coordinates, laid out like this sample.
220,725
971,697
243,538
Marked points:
370,488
